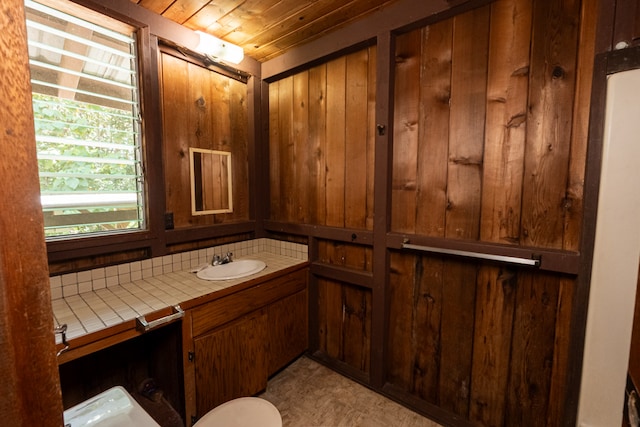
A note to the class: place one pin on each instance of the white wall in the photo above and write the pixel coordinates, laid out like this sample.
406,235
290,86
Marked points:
616,257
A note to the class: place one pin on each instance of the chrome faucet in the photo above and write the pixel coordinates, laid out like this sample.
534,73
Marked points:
218,260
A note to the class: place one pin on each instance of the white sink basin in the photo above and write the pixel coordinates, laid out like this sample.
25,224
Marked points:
232,270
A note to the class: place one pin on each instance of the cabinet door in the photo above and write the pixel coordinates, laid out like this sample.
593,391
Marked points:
288,330
230,362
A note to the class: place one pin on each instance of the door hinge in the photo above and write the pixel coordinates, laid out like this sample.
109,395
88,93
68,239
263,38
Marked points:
191,356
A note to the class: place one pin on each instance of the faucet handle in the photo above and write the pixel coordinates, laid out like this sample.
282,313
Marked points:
215,260
228,256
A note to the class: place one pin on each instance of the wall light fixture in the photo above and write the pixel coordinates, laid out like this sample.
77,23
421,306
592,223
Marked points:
219,50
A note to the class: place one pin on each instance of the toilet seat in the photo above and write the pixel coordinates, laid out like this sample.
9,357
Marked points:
242,412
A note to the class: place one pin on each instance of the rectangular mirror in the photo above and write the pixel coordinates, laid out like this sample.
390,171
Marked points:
211,190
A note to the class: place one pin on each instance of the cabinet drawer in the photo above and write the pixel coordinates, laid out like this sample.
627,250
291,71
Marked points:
231,307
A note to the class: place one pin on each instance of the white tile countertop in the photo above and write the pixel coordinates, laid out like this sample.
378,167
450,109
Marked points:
101,300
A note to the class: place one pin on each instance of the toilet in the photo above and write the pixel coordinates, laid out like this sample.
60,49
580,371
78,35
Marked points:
242,412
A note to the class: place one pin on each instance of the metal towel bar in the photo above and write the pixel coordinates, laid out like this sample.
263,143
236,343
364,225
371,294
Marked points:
479,255
143,325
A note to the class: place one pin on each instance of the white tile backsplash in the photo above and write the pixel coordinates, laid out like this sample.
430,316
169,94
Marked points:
67,285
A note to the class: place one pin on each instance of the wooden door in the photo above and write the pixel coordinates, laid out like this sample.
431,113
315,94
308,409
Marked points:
288,330
30,388
231,362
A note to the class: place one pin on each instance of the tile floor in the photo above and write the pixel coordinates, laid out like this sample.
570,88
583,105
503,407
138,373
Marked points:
308,394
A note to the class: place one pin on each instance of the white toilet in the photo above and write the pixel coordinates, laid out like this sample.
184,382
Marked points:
242,412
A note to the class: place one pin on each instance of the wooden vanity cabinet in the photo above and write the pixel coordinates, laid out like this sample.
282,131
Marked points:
232,344
230,362
288,328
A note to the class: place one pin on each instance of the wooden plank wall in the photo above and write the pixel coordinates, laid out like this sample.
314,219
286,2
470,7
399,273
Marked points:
322,136
490,142
627,22
202,109
491,110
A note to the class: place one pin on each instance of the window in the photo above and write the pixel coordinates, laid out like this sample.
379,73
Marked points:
87,120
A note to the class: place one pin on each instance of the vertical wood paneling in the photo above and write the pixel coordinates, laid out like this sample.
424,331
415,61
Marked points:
355,190
399,369
422,288
532,349
468,90
300,125
202,109
427,327
371,134
580,128
503,335
356,110
357,327
627,21
335,143
346,255
286,148
201,95
489,140
433,149
562,341
515,325
574,206
274,151
458,311
419,205
495,307
506,120
488,185
466,137
329,172
330,318
317,144
405,132
218,103
321,156
345,323
175,78
503,169
551,92
239,144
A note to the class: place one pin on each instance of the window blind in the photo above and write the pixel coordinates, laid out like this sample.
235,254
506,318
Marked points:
86,112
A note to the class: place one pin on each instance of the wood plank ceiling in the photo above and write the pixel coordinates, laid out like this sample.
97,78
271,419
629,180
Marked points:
264,28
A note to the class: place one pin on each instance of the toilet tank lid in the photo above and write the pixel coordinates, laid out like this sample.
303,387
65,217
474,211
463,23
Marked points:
111,408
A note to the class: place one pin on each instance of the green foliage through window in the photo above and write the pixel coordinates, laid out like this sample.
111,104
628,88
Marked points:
84,81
